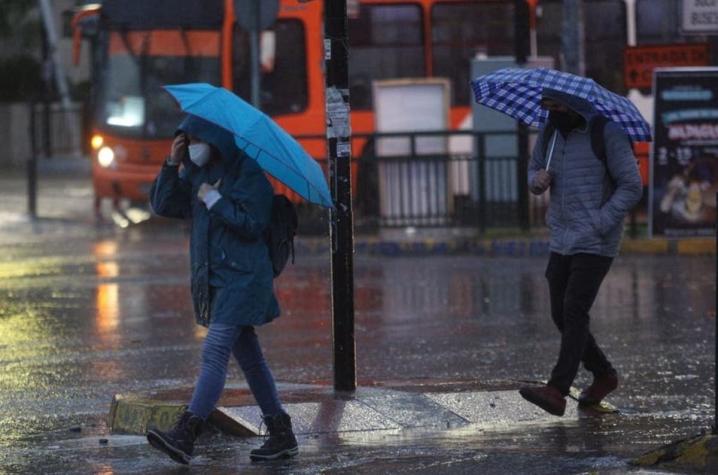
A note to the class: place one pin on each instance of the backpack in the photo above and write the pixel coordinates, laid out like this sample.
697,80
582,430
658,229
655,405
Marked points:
280,233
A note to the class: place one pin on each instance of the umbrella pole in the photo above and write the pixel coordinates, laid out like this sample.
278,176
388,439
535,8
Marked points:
550,152
341,227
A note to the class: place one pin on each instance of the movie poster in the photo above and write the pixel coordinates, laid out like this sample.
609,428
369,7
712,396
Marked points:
684,173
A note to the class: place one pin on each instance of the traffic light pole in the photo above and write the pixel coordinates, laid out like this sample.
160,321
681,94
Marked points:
341,226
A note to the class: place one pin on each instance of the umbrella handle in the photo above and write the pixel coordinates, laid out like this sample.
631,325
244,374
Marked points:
550,152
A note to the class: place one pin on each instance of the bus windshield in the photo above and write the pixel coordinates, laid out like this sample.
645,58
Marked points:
130,99
387,42
460,31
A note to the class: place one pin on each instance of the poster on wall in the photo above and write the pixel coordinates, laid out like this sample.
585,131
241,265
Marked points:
684,172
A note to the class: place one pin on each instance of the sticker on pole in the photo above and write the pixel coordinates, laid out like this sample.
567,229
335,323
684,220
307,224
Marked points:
337,113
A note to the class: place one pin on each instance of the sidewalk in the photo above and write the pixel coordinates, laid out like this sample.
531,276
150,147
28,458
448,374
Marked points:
318,409
404,411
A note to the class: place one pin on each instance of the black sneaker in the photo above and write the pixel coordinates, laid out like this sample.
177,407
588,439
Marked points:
178,442
281,442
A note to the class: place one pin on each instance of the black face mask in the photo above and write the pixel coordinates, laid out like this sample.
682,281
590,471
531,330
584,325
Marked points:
564,121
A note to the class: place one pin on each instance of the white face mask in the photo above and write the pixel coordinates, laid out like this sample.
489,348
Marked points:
199,153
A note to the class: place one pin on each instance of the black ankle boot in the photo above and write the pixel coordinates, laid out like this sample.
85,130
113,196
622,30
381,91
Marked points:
281,442
178,442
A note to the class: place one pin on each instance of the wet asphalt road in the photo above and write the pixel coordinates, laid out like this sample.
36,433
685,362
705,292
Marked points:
90,311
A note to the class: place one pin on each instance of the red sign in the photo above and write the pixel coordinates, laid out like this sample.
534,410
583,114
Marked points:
640,61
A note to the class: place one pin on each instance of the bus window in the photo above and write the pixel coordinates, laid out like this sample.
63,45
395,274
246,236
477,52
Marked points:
657,21
130,99
386,43
461,30
283,88
605,35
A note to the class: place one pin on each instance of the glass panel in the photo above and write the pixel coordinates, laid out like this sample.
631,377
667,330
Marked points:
386,43
283,83
605,30
461,30
658,21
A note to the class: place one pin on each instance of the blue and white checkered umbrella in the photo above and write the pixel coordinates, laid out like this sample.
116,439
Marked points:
517,93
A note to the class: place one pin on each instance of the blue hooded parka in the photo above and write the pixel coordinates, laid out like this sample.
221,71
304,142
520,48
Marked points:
231,273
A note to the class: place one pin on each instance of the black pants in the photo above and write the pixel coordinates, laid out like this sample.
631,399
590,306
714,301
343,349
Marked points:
574,282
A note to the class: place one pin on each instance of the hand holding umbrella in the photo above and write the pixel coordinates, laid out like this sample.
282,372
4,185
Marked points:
258,136
541,182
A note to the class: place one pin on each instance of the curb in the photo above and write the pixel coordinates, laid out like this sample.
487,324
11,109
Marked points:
524,247
135,415
699,452
318,409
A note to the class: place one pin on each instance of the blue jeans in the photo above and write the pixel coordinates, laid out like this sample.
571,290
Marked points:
223,339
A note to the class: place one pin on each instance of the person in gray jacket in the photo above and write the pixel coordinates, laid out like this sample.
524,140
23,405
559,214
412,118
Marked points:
592,190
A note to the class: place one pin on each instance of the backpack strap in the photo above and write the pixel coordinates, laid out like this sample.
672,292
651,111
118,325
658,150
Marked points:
598,141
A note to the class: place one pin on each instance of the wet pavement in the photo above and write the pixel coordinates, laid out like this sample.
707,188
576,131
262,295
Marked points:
88,311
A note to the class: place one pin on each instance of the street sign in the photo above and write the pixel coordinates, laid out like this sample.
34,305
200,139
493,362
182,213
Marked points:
699,17
250,19
640,61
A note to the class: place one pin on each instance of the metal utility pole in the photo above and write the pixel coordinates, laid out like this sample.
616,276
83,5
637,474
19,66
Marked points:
533,35
254,53
341,226
52,39
32,163
573,38
522,47
255,16
715,362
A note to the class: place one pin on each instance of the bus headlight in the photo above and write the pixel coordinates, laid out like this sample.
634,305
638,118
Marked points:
105,157
97,141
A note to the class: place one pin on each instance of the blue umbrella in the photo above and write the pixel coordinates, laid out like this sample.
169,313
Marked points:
517,93
258,136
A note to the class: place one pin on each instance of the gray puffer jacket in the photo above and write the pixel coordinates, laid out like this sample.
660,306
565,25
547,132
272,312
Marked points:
589,197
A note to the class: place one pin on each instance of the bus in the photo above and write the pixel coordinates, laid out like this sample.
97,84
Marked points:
138,46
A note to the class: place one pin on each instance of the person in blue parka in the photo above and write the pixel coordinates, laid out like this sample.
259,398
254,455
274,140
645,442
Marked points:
228,198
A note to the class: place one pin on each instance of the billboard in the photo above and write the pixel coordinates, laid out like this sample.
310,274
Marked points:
699,17
640,61
684,172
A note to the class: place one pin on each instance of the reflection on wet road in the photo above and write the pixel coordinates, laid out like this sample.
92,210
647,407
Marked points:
86,314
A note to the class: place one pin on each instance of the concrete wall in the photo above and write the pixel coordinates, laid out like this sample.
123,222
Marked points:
65,128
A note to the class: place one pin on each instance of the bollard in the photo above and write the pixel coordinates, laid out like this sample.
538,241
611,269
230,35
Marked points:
32,165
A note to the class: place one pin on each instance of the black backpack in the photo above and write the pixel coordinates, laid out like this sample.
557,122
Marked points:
280,233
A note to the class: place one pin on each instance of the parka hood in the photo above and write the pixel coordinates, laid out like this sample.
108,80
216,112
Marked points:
220,138
576,104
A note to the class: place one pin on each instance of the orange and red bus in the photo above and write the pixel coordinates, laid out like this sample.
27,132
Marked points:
138,46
